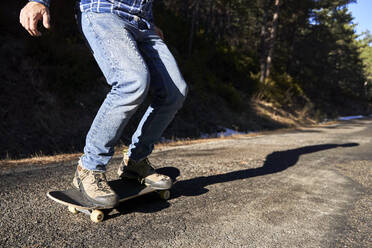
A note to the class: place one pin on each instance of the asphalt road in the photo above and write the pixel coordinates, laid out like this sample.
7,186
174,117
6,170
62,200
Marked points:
306,188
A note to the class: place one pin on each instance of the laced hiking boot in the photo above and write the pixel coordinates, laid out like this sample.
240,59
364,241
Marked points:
144,172
93,185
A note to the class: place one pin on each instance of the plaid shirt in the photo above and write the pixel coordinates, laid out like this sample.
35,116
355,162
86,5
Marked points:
133,10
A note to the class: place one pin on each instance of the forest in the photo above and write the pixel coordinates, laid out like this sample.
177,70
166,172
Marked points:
246,61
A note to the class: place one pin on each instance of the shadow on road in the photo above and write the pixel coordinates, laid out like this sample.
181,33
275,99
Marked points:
274,162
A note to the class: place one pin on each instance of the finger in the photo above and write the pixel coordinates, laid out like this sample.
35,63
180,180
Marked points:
46,20
30,28
22,19
27,25
33,26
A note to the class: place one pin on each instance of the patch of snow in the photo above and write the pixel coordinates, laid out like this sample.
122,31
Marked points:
225,133
228,132
345,118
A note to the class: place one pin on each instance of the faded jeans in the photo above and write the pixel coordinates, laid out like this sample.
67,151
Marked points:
134,62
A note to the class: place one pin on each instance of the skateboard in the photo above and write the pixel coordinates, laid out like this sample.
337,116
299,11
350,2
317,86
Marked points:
125,189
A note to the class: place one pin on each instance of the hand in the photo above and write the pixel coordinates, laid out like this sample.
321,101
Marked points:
159,32
31,14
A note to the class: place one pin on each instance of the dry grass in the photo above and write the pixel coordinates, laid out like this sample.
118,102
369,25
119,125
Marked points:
40,160
269,110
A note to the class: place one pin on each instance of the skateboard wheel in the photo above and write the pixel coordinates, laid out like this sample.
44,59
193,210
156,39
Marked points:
164,194
97,216
72,210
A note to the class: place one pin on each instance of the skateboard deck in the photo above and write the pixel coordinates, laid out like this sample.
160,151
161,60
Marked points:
125,189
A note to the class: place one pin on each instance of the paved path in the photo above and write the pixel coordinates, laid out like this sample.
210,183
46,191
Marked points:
306,188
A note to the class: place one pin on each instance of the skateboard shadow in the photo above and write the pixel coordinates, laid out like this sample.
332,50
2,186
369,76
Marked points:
275,162
141,204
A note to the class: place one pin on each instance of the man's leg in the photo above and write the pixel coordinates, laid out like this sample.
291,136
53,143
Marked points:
116,52
168,90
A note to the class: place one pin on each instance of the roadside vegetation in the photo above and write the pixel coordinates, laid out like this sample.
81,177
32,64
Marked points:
251,65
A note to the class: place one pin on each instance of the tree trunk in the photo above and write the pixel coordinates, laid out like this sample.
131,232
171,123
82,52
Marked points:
193,23
263,42
273,33
268,43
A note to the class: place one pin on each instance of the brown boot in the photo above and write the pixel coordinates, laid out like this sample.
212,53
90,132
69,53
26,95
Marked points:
144,172
93,185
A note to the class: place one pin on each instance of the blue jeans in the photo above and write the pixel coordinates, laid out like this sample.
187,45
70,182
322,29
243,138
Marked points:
134,62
